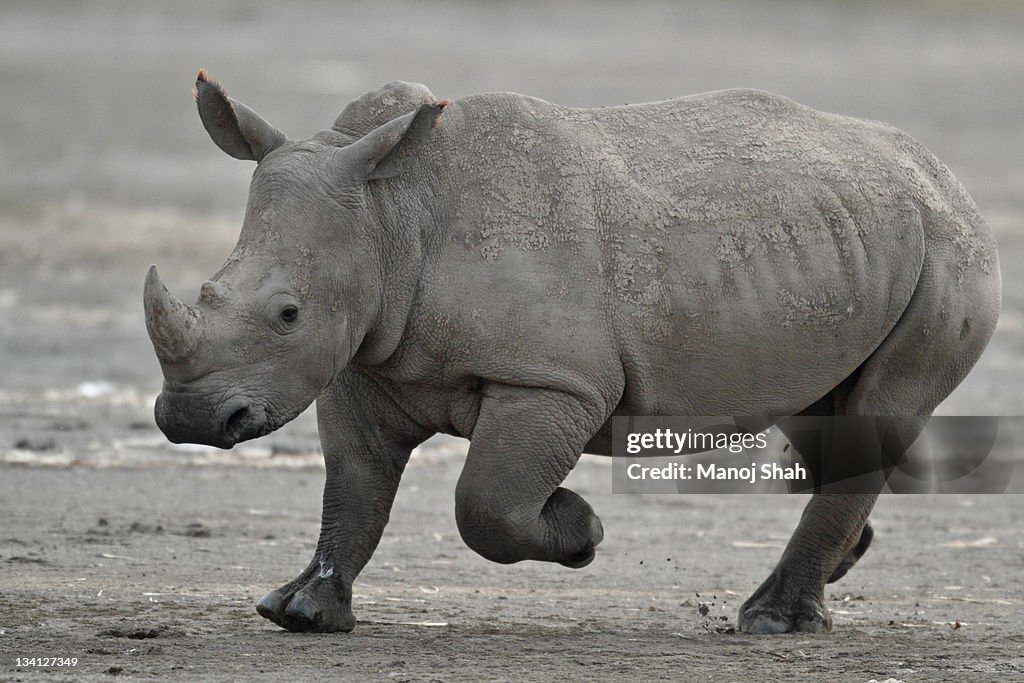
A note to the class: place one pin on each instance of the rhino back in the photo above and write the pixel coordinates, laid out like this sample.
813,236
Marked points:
731,251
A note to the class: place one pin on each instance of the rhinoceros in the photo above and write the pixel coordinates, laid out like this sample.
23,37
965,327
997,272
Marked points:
518,273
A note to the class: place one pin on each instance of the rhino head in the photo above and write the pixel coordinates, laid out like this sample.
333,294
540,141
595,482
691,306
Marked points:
302,293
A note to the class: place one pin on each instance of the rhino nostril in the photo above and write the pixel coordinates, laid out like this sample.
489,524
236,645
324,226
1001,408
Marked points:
235,421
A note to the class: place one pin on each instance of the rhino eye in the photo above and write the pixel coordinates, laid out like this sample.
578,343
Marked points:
290,314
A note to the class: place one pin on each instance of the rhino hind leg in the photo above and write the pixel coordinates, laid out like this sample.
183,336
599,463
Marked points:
805,447
792,597
808,445
866,534
939,337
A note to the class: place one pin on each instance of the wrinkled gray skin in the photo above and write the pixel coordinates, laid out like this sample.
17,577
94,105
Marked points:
515,272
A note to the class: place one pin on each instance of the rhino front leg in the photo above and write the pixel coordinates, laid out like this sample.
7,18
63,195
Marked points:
508,503
366,442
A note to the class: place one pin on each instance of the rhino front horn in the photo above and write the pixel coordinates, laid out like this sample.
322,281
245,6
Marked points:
173,327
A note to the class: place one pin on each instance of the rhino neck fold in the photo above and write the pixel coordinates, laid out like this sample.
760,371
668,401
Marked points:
401,218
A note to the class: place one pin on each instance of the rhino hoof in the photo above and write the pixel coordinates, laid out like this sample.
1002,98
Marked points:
317,607
303,612
764,623
580,560
270,606
768,619
586,556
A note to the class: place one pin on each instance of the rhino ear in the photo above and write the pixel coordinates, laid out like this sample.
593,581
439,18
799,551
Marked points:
234,127
380,153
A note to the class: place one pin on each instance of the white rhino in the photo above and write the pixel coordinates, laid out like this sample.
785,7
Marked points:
517,273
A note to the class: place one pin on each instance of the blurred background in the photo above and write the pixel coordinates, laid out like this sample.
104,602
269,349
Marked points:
105,167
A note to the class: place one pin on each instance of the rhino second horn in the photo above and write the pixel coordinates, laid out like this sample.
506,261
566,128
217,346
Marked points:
173,327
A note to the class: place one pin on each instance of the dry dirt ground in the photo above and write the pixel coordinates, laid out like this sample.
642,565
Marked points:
152,572
144,560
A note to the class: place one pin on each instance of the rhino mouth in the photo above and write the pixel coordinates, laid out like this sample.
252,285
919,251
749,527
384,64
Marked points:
185,418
